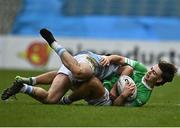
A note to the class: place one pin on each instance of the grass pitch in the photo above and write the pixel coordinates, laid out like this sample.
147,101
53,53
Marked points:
162,110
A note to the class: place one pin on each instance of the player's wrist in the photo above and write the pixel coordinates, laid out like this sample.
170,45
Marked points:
124,96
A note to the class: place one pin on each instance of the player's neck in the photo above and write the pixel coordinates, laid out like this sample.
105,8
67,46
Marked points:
149,83
146,83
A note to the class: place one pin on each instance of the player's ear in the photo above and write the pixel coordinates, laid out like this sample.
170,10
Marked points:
159,80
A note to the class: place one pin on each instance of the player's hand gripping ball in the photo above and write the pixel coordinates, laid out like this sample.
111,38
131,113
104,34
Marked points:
123,80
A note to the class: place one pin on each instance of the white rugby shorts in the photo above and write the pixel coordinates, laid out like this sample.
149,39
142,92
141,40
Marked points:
103,101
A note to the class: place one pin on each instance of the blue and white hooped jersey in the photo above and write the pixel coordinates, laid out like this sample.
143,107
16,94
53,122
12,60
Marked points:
93,59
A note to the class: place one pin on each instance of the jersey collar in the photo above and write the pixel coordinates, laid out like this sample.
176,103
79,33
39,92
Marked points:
145,84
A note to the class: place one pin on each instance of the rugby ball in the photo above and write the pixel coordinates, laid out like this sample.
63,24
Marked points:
123,80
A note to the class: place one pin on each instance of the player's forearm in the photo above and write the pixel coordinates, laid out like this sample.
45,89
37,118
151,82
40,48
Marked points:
117,59
119,101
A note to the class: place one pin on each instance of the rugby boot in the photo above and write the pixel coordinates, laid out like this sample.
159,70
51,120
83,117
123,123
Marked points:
11,91
47,35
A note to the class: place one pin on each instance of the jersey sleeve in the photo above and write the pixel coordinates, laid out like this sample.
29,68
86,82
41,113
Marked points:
136,103
140,100
136,65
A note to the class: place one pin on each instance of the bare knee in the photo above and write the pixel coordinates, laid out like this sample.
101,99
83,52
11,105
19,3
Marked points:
51,101
47,99
82,71
40,94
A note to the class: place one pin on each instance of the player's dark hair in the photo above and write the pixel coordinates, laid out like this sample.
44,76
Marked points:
108,54
168,72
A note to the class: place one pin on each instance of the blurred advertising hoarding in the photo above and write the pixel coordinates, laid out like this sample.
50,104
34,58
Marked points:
33,52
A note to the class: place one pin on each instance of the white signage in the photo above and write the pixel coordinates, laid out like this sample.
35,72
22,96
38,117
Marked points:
32,53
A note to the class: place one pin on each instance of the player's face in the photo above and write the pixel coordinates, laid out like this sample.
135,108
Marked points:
154,74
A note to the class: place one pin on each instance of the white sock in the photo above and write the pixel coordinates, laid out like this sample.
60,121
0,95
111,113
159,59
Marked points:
58,48
33,80
65,100
27,89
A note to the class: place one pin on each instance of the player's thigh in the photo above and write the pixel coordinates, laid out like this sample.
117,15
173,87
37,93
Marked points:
85,71
96,87
59,87
99,95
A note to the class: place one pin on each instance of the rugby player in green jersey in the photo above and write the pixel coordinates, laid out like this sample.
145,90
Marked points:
144,79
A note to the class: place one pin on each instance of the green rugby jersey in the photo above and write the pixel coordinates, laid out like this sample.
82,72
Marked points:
143,90
110,81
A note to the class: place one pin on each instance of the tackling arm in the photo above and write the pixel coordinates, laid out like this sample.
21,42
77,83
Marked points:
113,59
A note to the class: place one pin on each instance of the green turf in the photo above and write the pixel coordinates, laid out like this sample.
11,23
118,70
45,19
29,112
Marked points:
163,109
